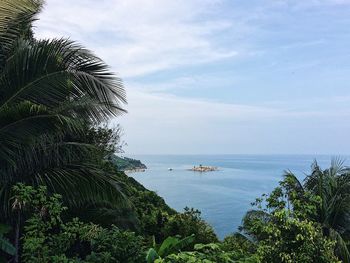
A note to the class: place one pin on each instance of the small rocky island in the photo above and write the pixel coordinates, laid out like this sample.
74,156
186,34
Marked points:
202,168
126,164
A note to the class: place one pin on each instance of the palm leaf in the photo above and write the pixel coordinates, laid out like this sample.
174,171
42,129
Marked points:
341,247
57,70
65,169
50,90
16,17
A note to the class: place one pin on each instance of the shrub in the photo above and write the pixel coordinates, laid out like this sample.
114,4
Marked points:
190,223
47,238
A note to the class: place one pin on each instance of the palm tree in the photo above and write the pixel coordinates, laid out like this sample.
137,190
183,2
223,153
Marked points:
332,186
50,91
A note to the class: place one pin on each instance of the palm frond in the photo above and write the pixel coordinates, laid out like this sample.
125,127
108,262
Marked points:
57,71
337,166
50,90
292,183
16,17
341,247
67,169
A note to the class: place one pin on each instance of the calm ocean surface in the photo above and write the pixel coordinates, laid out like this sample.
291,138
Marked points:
222,196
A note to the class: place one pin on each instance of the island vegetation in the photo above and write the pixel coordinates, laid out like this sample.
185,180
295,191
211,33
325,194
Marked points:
63,199
127,164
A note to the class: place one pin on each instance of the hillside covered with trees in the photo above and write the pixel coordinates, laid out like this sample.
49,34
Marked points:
126,163
63,199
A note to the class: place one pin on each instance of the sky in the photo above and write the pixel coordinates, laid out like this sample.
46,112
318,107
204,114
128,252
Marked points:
220,76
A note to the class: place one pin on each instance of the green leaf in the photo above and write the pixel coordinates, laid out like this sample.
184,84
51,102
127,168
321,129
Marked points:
6,246
151,256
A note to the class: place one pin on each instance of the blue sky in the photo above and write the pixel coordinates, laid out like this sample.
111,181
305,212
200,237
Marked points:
221,76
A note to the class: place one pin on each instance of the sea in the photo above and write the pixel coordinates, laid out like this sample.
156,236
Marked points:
225,195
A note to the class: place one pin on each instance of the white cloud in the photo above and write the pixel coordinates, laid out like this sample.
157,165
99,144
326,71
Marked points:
138,37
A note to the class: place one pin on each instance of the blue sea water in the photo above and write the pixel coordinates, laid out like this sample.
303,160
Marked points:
225,195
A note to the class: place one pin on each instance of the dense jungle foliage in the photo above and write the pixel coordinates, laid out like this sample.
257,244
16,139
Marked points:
63,199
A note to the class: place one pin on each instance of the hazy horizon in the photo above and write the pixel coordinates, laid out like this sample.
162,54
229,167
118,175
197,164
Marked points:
221,76
341,156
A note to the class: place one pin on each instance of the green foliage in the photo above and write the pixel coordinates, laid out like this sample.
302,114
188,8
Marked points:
292,240
113,245
50,91
286,225
150,209
205,253
106,140
187,223
170,245
47,238
327,192
238,244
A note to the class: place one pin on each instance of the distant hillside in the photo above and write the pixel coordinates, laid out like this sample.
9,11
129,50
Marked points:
125,163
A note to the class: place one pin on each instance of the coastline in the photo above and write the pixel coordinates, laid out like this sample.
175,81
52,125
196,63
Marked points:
135,170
